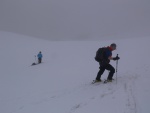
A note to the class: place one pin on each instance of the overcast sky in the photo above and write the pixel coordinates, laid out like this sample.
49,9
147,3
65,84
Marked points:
76,19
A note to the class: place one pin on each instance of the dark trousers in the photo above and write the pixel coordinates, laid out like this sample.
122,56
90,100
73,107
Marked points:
102,69
39,60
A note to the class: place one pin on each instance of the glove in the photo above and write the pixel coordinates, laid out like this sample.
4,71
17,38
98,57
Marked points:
116,58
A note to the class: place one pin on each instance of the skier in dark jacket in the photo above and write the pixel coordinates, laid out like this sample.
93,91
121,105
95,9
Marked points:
40,57
104,64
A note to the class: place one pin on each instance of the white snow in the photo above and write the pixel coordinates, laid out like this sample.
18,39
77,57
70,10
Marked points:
62,83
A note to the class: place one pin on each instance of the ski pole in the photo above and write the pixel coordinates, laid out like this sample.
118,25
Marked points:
116,69
35,58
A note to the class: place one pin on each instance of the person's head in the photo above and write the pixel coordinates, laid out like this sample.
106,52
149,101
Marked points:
40,52
113,46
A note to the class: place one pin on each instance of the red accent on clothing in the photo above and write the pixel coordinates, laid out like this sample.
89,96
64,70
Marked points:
110,48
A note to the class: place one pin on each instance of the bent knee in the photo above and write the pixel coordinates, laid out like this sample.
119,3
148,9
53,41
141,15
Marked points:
113,70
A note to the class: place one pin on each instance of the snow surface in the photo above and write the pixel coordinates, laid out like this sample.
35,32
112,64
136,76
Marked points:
62,83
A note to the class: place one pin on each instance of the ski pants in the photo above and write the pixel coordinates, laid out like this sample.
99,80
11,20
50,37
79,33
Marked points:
102,69
39,60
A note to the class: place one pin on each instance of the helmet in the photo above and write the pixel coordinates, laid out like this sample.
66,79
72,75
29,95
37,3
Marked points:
113,45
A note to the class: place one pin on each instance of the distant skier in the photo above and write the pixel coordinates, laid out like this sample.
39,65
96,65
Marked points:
106,56
39,57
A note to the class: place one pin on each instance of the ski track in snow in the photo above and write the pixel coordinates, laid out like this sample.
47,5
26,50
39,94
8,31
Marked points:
131,100
94,92
81,97
126,83
109,89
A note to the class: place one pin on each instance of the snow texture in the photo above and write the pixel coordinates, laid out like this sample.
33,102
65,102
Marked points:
62,82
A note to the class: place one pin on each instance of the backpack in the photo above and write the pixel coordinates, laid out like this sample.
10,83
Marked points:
100,54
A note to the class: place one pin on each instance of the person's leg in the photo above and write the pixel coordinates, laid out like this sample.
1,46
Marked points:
39,60
101,71
112,71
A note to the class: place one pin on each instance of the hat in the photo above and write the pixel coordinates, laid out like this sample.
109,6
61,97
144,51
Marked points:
113,45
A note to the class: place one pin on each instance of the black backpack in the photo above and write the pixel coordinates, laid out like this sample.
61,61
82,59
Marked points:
100,54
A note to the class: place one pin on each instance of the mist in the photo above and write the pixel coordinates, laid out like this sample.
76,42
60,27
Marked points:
76,19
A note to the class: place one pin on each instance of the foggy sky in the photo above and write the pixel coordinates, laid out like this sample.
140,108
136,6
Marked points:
76,19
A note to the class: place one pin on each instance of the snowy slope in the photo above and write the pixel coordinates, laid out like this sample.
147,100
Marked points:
62,83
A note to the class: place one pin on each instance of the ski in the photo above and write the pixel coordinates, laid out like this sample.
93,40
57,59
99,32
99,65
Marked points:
105,81
94,81
33,64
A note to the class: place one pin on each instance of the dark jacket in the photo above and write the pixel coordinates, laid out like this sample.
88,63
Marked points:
107,54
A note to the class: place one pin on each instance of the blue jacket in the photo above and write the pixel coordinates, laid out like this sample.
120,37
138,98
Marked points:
108,53
39,55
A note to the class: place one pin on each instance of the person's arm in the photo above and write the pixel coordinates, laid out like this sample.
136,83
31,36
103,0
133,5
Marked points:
115,58
111,58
